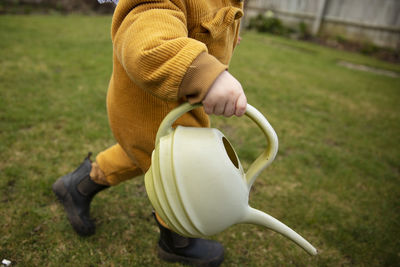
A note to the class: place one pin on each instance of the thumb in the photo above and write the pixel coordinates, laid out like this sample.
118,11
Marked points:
241,105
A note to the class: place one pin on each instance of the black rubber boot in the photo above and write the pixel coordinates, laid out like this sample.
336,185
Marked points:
191,251
75,191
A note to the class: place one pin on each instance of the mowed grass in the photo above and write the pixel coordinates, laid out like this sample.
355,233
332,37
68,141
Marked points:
335,179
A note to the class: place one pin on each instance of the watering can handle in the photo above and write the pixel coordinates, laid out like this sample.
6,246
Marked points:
259,164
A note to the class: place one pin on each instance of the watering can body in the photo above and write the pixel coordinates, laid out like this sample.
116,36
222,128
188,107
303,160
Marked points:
197,185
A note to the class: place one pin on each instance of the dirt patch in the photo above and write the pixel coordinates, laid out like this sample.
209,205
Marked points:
354,66
369,49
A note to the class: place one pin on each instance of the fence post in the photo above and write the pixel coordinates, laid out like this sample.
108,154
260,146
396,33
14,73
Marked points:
319,16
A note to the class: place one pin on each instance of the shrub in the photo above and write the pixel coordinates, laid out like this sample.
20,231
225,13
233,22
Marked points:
368,48
304,33
263,23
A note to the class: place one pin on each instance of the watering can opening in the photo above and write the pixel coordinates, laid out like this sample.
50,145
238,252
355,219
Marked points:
231,152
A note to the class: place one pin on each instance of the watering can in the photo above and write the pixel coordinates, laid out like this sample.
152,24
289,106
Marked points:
197,185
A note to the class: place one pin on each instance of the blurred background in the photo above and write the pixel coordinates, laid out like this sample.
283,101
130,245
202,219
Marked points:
326,74
363,25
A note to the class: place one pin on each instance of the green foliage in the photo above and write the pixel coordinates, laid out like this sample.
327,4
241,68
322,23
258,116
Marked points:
369,48
335,179
341,40
269,24
304,32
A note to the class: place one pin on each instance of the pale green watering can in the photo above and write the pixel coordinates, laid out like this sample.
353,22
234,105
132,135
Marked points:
197,185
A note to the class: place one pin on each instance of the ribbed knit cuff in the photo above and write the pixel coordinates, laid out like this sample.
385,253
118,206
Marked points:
198,79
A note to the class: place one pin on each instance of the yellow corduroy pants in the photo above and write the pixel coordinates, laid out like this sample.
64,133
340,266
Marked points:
116,165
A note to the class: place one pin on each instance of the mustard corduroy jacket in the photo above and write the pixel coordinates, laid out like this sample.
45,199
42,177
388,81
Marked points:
165,52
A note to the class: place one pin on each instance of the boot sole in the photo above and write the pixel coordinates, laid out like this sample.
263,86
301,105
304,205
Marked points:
189,261
65,199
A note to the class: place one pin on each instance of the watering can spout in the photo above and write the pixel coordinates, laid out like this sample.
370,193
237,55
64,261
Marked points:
255,216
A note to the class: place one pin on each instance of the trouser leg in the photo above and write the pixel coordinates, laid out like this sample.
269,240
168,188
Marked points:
115,165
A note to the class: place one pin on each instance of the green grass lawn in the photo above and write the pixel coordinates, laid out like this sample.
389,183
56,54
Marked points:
336,178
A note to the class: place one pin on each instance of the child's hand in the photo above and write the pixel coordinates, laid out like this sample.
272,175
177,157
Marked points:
225,97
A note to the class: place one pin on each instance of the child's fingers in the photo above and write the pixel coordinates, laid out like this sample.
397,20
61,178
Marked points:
208,108
241,105
229,108
219,108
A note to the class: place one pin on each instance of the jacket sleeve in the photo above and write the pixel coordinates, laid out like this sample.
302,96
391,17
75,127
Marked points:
151,42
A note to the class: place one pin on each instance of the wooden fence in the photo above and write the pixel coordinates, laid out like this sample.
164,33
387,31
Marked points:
375,21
